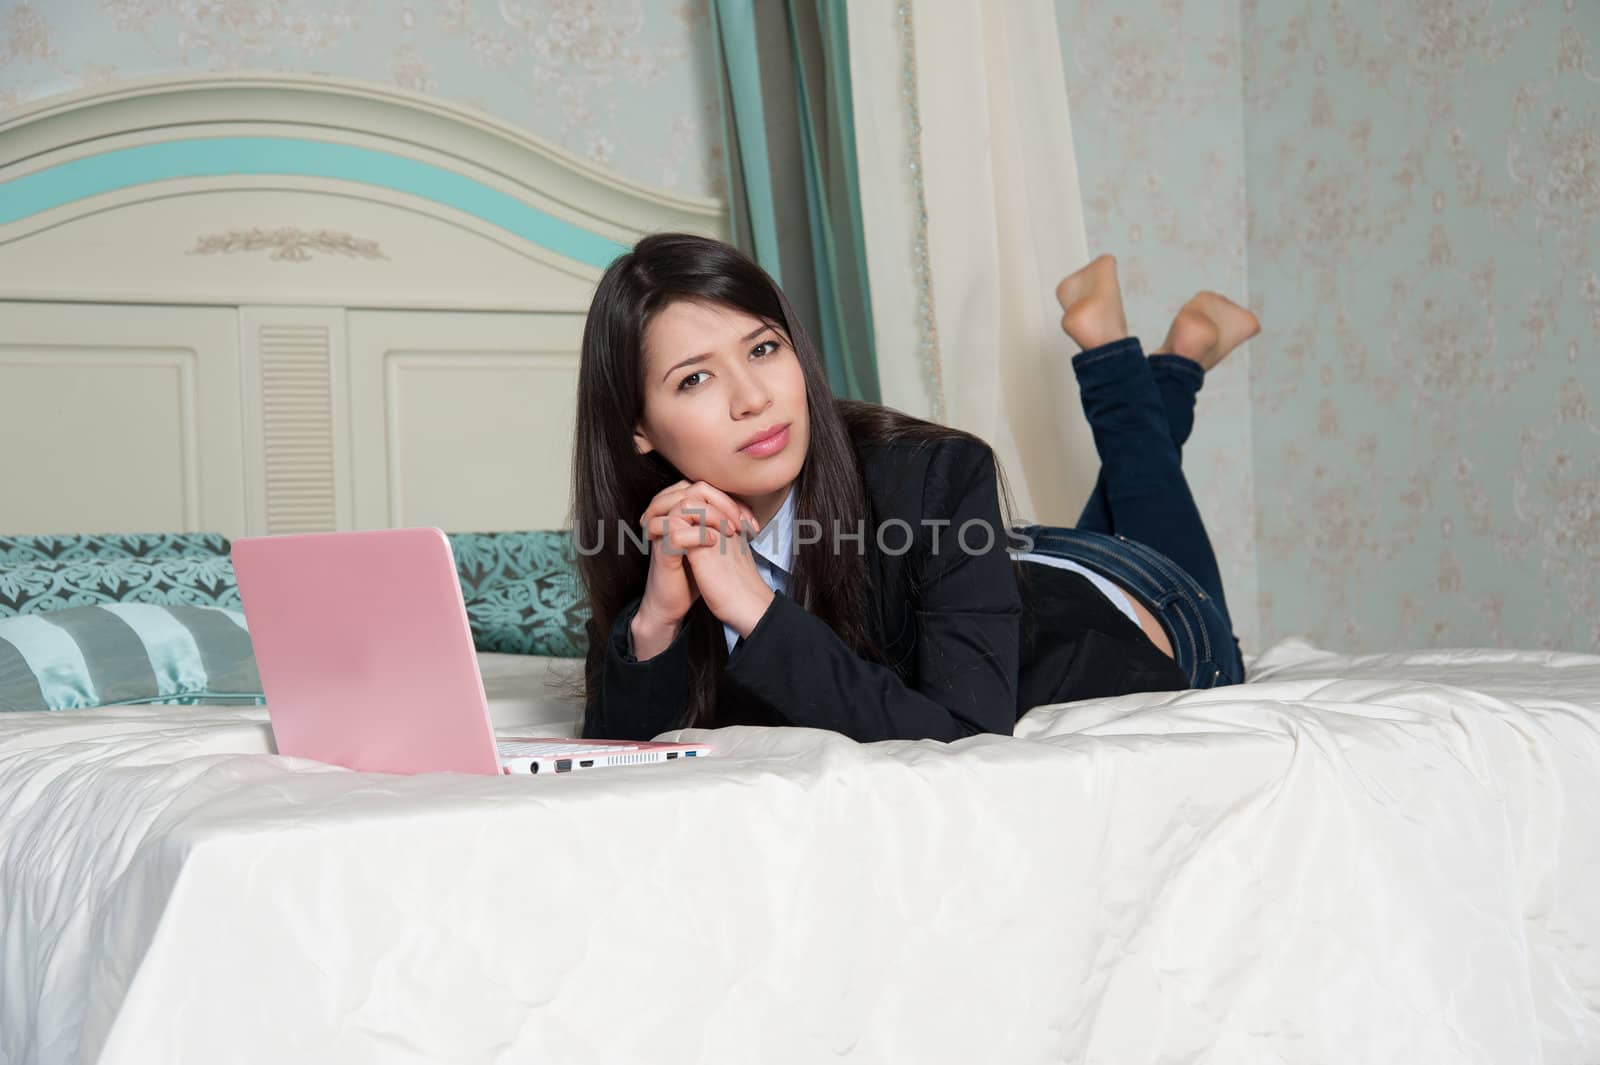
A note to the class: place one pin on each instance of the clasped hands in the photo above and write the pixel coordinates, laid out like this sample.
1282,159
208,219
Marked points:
700,548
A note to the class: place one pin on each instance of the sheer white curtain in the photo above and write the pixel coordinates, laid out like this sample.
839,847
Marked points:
972,213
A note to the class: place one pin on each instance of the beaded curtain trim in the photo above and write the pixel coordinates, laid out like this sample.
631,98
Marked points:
927,324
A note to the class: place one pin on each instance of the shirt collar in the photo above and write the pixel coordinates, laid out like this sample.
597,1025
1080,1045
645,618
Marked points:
775,541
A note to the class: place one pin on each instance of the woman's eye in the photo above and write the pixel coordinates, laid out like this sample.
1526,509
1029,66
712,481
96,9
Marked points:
763,349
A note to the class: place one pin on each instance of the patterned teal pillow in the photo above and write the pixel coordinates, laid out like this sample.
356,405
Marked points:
78,547
520,588
522,592
126,653
37,587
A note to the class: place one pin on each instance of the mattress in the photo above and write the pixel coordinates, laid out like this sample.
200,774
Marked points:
1375,859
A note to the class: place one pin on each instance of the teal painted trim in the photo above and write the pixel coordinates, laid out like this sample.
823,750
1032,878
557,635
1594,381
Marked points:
736,32
143,164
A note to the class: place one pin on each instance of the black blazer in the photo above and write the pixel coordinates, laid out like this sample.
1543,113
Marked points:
972,638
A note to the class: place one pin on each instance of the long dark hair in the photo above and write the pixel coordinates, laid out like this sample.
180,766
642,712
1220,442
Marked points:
612,482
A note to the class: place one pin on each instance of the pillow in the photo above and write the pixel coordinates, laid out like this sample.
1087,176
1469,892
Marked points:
36,587
522,593
123,654
77,547
520,588
485,559
534,615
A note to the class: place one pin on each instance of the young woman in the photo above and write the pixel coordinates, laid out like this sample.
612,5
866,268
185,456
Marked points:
755,551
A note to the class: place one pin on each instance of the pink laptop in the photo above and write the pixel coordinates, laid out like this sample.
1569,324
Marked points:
366,660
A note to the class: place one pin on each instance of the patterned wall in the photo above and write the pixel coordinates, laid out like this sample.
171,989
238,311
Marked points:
1424,190
628,84
1158,130
1408,191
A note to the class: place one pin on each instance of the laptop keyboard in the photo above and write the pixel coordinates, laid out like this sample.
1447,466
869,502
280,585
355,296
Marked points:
513,749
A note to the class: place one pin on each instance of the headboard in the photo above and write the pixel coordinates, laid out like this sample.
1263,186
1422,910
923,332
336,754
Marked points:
283,304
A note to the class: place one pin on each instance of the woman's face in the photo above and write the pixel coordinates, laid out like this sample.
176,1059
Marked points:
714,378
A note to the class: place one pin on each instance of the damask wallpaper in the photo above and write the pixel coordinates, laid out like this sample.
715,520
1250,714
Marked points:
1158,131
1408,193
1424,191
628,84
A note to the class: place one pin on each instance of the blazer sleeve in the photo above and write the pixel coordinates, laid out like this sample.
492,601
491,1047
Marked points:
969,630
638,700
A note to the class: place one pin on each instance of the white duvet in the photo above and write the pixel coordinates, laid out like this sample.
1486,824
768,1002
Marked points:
1379,859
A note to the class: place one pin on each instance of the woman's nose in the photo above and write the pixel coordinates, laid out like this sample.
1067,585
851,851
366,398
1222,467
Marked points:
751,396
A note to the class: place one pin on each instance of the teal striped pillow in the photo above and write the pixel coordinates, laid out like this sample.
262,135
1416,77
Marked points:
120,654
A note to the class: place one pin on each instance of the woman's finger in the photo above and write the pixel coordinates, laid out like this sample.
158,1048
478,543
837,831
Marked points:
663,501
701,502
711,507
738,511
682,494
682,541
692,513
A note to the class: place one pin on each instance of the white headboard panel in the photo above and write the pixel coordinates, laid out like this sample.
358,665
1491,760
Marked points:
274,304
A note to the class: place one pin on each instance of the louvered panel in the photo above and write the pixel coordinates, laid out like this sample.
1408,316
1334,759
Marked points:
297,428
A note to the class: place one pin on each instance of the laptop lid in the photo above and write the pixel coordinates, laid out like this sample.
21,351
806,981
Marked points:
364,651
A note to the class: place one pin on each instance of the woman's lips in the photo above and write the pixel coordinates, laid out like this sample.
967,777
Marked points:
770,445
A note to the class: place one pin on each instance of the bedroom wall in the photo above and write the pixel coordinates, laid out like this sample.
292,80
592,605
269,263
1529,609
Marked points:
623,83
1158,130
1409,194
1424,190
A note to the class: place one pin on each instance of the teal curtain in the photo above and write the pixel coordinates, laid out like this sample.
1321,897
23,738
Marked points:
794,191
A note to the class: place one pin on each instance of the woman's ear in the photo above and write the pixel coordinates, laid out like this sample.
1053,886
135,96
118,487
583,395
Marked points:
642,442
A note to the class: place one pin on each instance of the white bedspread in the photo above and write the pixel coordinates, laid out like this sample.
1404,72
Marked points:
1379,859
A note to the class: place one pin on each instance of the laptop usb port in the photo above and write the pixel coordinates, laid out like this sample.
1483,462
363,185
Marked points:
671,755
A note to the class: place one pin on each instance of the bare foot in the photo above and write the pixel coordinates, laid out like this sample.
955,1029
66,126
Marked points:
1192,335
1207,328
1091,304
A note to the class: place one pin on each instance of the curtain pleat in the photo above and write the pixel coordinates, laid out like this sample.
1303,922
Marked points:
973,214
749,192
793,187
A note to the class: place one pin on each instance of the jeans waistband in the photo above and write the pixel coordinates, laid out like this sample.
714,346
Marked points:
1201,637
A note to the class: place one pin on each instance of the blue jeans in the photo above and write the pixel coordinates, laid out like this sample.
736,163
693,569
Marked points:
1141,528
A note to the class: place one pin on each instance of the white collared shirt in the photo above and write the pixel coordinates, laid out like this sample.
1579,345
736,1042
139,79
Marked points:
1118,597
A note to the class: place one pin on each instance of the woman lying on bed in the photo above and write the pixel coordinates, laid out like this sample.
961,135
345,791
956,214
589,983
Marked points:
755,551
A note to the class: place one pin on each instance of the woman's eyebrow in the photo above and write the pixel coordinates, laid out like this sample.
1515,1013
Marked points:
703,356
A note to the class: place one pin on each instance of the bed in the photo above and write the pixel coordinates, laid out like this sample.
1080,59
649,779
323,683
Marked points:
1382,858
